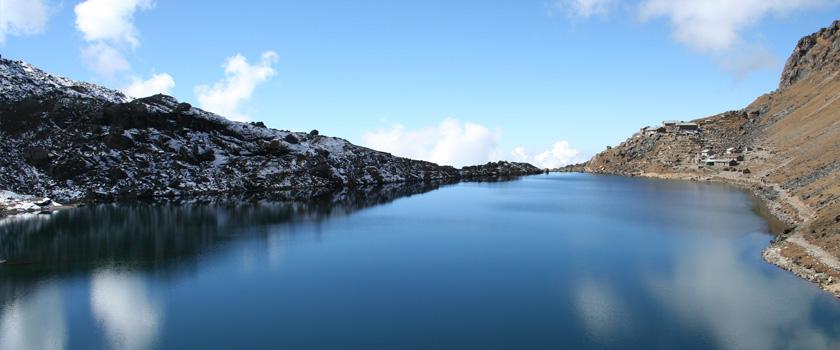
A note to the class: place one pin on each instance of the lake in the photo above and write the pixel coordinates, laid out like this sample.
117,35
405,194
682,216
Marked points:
543,262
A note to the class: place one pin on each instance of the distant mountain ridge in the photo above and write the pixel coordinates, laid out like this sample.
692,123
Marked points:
76,141
785,146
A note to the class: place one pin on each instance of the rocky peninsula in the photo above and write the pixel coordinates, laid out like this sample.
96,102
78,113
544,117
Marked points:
74,142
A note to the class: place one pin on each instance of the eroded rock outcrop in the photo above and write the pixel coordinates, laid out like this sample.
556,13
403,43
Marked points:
76,141
818,52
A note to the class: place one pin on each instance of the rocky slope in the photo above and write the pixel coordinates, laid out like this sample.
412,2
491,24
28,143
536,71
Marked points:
785,146
75,141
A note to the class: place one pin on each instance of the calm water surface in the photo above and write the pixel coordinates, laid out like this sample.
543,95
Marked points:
545,262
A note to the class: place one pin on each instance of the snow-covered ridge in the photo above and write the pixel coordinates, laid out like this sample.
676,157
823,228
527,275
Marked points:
19,80
76,141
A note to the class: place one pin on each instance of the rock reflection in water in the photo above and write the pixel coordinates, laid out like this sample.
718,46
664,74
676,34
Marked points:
163,235
567,261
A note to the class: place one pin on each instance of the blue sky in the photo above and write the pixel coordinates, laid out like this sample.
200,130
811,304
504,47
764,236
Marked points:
450,81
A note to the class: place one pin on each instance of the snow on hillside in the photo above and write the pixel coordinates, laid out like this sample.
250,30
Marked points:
76,141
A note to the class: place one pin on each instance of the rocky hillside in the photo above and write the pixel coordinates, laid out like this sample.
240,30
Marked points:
785,146
75,141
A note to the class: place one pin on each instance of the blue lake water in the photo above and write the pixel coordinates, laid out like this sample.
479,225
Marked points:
544,262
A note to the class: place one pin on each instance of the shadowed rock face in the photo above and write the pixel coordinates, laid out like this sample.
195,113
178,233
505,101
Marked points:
817,52
75,141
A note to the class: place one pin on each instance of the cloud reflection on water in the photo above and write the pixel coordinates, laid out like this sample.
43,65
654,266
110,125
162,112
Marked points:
601,309
713,287
121,303
34,322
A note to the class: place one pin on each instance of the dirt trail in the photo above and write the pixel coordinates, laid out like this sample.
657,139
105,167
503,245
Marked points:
815,251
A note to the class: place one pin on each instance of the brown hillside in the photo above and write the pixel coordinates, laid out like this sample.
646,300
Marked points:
785,146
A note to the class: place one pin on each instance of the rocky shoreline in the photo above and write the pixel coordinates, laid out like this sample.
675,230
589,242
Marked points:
790,249
784,148
12,204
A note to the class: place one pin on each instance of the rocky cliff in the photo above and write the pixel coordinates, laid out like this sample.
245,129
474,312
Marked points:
785,146
75,141
814,54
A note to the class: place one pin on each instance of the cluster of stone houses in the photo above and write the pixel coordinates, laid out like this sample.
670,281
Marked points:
732,157
672,127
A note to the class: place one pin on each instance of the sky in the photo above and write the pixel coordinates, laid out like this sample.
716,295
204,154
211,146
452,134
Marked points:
463,82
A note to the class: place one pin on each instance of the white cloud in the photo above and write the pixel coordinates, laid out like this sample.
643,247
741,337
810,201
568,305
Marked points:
105,59
110,20
520,154
585,8
22,17
560,154
449,143
107,27
713,27
241,78
717,25
157,84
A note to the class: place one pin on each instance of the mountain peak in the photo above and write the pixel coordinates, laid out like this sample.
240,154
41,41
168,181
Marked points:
19,80
818,52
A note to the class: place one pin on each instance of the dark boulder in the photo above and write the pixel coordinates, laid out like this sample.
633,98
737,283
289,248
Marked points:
118,141
68,168
204,154
373,172
277,148
322,170
116,174
291,139
183,107
37,156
